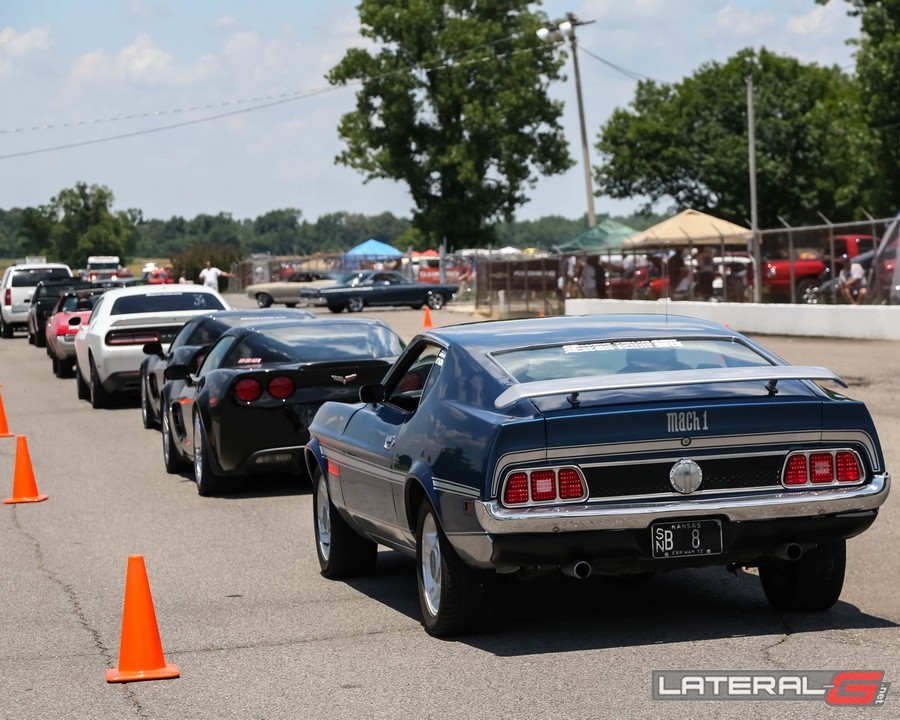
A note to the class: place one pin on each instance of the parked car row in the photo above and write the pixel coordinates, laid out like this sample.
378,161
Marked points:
621,445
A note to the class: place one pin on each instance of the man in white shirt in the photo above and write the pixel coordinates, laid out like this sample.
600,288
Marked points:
852,282
210,275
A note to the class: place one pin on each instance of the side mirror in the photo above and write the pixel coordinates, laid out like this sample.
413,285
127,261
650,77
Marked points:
371,393
153,348
177,372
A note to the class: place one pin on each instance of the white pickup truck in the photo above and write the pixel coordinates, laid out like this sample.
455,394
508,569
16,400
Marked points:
16,290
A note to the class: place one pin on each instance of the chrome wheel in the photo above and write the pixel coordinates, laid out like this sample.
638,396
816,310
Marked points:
198,451
323,519
431,565
355,304
167,440
435,301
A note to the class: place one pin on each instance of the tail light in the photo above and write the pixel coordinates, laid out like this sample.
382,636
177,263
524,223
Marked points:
131,337
544,485
247,390
822,468
7,297
281,387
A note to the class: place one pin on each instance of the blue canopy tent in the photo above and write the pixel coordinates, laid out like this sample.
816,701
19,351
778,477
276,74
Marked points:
369,253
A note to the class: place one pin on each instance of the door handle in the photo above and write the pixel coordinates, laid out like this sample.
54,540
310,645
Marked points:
389,441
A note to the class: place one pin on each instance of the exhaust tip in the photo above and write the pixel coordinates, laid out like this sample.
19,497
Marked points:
580,570
787,551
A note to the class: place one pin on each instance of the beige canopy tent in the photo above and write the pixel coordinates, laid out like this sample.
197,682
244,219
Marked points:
689,228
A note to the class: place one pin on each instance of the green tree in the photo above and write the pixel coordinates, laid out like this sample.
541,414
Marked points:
77,223
687,142
454,104
877,63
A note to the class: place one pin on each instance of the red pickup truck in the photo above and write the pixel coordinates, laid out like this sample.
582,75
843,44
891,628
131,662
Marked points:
777,272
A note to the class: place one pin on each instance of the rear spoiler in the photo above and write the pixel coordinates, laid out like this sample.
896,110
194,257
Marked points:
669,378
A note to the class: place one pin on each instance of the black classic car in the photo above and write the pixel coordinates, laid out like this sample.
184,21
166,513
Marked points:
379,288
247,409
199,331
620,445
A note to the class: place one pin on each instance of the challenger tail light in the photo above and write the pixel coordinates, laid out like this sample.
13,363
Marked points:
131,337
822,468
279,387
544,485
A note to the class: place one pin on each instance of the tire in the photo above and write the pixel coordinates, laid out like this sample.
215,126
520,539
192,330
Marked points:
341,551
813,582
455,599
208,481
6,330
355,304
30,337
81,387
99,397
435,301
290,305
147,416
172,459
56,365
40,340
336,308
805,288
264,300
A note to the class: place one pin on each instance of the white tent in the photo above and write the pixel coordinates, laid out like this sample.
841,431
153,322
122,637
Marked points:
689,227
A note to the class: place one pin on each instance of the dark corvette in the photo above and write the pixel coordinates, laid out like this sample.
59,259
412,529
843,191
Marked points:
376,288
202,330
614,444
248,407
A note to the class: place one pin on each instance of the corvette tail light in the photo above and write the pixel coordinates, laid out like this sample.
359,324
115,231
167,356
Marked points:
544,485
822,468
281,387
131,337
247,390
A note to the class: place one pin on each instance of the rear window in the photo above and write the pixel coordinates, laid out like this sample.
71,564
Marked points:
32,276
310,343
165,302
610,358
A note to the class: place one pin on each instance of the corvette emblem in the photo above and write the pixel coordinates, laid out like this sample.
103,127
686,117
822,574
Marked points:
344,379
685,476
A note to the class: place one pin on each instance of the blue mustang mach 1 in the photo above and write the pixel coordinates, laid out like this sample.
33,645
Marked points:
616,445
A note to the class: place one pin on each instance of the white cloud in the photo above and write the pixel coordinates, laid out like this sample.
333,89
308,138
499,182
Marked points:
743,22
16,47
823,20
225,23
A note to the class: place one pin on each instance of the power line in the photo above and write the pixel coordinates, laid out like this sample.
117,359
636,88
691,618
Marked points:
618,68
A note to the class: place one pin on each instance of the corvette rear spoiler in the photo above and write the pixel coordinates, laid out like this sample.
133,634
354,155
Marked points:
670,378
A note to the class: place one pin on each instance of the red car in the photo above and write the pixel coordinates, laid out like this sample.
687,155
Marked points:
61,334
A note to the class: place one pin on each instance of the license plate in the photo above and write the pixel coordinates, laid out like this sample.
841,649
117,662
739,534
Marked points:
687,538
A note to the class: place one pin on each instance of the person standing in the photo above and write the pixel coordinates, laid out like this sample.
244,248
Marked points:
210,275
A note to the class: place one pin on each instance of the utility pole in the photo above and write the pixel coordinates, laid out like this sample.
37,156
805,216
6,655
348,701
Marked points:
754,219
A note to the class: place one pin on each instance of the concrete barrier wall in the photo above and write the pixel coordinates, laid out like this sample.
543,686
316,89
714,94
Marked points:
870,322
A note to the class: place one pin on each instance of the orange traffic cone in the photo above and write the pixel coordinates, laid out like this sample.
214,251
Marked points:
4,428
426,325
140,651
24,486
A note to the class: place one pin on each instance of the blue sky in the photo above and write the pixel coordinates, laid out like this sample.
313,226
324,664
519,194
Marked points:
80,72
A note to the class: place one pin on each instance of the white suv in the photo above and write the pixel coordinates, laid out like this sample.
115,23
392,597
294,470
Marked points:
16,290
109,347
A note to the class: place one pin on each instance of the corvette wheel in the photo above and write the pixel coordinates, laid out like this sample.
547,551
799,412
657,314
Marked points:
455,598
84,392
264,300
208,482
173,461
98,395
146,411
355,304
341,551
813,582
435,301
